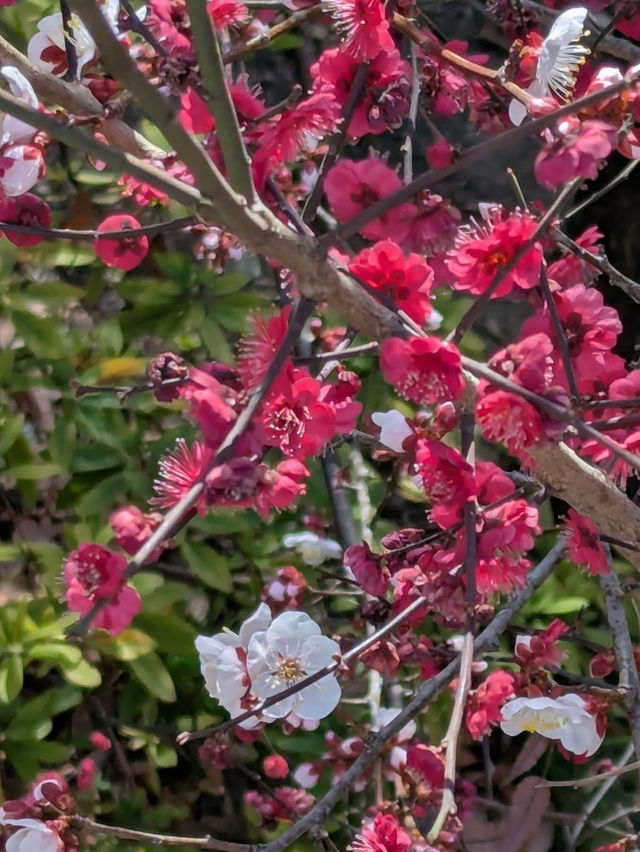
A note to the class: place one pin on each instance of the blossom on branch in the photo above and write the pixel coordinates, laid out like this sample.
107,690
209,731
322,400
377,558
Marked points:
565,719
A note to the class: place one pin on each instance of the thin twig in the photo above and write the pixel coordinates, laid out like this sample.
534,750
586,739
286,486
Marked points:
412,118
622,175
69,43
138,26
70,234
595,800
263,40
593,779
561,337
207,842
601,263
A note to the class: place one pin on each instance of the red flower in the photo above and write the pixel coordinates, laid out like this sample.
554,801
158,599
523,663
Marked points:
574,149
99,741
354,186
169,22
257,349
92,573
501,573
226,12
369,573
278,487
295,420
275,766
123,252
407,280
132,528
178,472
28,210
423,369
385,98
297,129
383,835
484,703
539,650
363,27
584,544
87,771
447,478
506,418
483,249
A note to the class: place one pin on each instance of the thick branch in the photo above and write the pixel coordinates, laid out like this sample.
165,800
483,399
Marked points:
234,152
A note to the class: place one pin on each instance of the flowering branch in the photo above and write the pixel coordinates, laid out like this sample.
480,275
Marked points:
425,693
478,152
71,234
181,513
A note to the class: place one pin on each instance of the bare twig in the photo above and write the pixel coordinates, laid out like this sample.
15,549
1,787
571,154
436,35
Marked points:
595,800
561,337
207,842
407,173
70,234
600,262
69,44
593,779
628,679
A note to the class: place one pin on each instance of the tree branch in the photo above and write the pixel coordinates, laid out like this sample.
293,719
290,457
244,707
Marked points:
628,679
234,152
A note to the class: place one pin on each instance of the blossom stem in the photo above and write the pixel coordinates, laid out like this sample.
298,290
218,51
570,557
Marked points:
593,779
206,842
450,740
218,100
342,355
412,117
561,338
263,40
425,693
623,174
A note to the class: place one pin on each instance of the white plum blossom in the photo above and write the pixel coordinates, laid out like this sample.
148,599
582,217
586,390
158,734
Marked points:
291,648
398,752
12,130
21,166
561,56
31,836
565,719
313,549
46,49
393,428
223,668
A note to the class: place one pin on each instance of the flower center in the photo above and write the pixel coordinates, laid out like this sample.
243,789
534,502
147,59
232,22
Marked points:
541,724
290,670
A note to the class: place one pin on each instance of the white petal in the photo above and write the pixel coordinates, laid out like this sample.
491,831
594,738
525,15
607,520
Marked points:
318,652
291,627
319,699
517,112
259,620
393,428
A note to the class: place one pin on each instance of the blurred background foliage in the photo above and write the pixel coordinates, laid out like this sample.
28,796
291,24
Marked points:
66,463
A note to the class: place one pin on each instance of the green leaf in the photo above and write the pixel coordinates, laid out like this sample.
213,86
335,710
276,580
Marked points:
67,254
56,652
229,282
563,605
37,470
152,674
9,430
82,674
207,564
41,335
214,339
11,677
171,634
129,645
